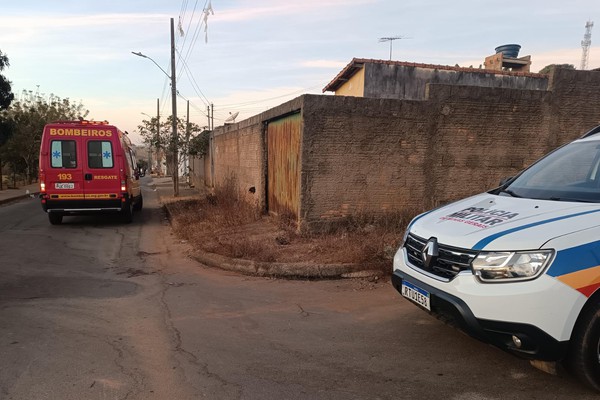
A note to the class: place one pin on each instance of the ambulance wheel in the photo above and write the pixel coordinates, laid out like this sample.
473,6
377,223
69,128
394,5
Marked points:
140,203
584,353
127,212
55,218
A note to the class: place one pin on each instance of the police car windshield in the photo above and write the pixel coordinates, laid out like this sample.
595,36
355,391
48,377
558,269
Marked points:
570,173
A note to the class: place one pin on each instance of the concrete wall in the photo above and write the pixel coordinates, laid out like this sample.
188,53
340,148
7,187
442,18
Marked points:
199,166
355,86
396,81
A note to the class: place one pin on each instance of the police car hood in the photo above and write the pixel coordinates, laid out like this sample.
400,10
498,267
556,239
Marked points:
494,222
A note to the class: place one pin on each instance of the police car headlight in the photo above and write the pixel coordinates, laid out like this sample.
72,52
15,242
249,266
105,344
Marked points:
502,266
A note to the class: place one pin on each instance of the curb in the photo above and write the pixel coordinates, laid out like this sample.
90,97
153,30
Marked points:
284,270
19,197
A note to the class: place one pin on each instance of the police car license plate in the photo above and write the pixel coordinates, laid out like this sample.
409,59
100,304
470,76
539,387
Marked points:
64,186
416,294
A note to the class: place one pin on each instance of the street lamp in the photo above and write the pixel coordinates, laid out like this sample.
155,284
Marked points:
174,104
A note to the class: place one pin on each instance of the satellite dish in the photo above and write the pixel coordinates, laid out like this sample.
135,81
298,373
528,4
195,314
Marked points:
232,117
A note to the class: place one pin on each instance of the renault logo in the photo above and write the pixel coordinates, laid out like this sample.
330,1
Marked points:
430,253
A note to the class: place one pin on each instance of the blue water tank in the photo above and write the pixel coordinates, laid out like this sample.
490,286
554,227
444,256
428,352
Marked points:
509,50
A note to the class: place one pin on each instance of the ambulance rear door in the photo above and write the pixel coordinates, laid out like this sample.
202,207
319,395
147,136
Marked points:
101,168
64,174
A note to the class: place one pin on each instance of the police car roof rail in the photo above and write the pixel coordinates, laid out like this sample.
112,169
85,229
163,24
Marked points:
592,132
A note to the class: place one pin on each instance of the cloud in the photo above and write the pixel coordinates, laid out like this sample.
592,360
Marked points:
324,64
252,102
274,8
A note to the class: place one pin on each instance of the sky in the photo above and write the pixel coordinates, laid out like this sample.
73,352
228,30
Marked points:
257,54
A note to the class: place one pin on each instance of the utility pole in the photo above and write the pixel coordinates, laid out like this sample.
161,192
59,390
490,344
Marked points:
187,143
158,158
174,101
208,115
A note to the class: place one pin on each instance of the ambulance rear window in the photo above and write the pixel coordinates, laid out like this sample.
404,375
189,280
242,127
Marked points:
64,154
100,154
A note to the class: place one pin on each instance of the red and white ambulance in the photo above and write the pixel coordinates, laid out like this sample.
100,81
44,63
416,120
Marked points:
87,167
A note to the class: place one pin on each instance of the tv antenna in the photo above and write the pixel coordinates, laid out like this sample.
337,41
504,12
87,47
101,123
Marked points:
391,40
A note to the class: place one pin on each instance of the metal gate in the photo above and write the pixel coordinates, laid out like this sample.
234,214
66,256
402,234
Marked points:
283,165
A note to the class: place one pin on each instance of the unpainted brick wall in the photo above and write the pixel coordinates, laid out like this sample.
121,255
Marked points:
239,157
362,155
374,155
240,152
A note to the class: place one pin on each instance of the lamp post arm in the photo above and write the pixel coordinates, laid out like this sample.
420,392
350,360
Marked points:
139,54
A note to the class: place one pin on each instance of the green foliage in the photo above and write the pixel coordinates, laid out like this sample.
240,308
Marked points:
163,142
21,127
548,68
142,164
199,145
6,95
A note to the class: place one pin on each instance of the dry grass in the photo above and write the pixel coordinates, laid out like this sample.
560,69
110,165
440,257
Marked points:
224,224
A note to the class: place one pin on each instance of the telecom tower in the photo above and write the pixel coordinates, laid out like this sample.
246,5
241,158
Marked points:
585,44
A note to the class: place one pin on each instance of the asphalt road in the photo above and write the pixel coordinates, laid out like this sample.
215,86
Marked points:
95,309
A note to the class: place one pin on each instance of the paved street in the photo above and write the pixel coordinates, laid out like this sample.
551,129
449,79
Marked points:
95,309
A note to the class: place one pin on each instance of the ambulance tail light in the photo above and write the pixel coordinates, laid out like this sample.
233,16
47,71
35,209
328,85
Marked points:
123,181
42,183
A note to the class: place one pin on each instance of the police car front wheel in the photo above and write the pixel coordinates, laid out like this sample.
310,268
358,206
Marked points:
584,355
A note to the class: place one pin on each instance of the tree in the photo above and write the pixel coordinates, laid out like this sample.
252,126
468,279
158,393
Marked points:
198,146
24,121
548,68
6,95
163,142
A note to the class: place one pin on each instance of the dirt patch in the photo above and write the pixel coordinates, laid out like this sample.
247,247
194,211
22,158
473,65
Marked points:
220,224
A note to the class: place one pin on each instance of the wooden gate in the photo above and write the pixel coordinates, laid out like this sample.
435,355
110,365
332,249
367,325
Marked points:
283,165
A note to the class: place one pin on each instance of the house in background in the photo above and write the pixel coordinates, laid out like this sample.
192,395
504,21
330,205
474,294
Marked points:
407,81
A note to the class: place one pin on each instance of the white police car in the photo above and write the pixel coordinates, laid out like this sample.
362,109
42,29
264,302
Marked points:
519,266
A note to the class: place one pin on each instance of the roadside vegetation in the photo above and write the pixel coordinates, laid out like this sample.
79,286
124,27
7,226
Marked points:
21,123
223,224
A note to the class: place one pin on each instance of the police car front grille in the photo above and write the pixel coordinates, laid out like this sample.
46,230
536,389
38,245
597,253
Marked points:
450,262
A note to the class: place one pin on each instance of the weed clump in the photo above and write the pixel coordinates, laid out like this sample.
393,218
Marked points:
224,222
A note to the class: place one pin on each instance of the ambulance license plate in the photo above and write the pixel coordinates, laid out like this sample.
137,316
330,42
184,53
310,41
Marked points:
416,294
64,186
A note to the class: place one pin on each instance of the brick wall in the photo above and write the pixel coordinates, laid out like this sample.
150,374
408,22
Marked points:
377,155
239,155
361,155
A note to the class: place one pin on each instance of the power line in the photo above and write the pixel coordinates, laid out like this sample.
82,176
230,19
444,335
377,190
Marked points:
195,85
252,102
